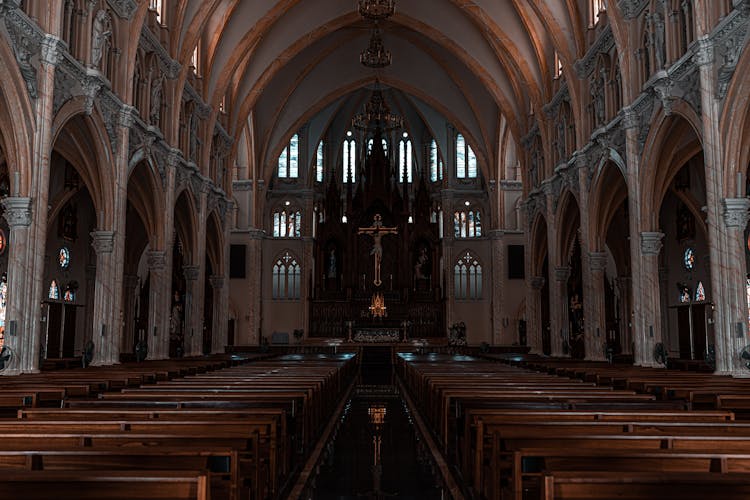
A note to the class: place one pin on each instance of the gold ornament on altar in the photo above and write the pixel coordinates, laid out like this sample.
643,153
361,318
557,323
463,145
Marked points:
377,307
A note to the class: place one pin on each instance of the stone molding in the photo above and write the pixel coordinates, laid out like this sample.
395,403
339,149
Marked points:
736,212
17,211
651,242
103,242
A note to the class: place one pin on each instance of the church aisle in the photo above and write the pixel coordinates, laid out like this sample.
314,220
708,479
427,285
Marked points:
377,452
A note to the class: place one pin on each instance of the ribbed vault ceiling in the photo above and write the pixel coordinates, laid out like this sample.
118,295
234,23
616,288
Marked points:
282,62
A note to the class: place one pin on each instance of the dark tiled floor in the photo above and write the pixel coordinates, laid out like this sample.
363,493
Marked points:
376,452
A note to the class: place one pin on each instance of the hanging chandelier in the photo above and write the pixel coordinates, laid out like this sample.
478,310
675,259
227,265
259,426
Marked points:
377,115
375,55
376,10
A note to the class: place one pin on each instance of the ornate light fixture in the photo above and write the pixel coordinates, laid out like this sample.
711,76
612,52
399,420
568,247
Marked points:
376,10
375,55
377,114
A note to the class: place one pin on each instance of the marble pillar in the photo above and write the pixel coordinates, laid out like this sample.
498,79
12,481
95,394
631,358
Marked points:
218,326
160,291
650,308
596,314
254,295
732,339
560,336
106,343
194,320
18,319
500,332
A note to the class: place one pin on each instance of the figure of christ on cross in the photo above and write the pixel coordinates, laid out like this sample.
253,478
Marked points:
377,231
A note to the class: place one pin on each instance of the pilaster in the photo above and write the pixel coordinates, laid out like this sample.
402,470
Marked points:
650,310
595,319
107,349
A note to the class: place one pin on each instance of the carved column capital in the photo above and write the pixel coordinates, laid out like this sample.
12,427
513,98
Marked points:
651,242
17,211
191,272
735,211
157,260
103,241
704,52
562,274
217,282
52,50
630,118
598,261
537,282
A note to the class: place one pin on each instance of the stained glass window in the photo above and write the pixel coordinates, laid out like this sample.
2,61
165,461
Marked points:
54,291
3,242
684,293
319,163
70,294
349,170
436,163
405,159
287,224
688,259
63,257
700,292
289,159
467,224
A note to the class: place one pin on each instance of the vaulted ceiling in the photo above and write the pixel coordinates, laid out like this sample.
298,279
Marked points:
283,61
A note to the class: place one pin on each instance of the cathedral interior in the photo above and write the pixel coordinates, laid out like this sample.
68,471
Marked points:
470,229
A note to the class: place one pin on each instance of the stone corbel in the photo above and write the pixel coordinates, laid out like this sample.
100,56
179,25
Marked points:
538,282
103,242
562,274
191,272
736,212
598,261
157,260
17,211
663,87
651,242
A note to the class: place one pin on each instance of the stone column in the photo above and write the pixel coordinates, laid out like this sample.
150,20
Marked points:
595,319
561,334
308,269
729,341
107,349
650,309
18,318
193,311
219,326
500,333
254,297
129,287
534,325
34,286
157,336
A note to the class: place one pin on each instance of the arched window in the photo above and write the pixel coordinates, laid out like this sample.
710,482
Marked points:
467,277
436,163
289,159
467,223
558,66
383,142
195,60
156,6
405,159
466,160
287,223
319,164
286,278
700,292
597,7
349,170
54,291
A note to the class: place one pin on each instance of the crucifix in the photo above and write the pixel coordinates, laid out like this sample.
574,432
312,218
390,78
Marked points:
377,231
